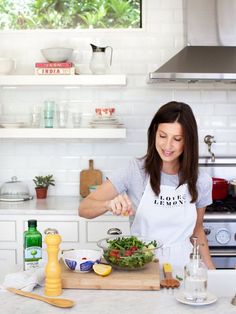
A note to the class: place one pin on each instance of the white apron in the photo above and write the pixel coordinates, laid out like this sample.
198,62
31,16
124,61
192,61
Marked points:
169,218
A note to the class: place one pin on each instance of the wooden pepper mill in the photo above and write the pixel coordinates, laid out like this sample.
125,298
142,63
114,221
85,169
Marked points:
53,285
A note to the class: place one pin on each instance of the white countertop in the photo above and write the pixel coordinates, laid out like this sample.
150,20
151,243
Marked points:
112,302
56,205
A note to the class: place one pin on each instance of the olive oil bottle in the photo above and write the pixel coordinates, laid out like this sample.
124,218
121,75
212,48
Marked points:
32,246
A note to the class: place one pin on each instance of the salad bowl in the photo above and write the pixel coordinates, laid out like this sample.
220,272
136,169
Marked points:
128,252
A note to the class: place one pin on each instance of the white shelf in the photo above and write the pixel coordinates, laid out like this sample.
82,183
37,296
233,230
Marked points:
63,133
70,80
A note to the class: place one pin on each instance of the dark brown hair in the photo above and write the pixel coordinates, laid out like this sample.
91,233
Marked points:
188,172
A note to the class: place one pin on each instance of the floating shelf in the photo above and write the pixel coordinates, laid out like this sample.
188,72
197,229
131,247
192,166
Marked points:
70,80
63,133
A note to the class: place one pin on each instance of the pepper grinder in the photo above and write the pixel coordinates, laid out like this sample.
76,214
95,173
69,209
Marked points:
53,286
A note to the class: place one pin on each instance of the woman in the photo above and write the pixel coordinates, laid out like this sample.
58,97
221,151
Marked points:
164,193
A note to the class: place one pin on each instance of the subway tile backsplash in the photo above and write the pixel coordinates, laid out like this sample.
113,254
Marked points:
139,52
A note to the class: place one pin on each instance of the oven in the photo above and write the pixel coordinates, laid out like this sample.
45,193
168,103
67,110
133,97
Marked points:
221,236
220,217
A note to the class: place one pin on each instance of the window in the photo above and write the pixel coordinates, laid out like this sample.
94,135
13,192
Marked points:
69,14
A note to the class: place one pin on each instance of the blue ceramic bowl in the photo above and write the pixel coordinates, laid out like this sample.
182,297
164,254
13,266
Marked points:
81,260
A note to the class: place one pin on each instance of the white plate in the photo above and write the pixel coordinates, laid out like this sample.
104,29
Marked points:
27,198
12,125
211,298
104,121
107,126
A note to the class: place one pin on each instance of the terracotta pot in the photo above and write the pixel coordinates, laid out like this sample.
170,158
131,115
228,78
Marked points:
41,192
220,189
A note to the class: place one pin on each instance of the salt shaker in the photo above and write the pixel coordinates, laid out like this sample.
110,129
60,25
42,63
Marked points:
53,286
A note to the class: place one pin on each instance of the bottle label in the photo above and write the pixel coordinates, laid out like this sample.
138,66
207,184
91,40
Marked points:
31,265
32,255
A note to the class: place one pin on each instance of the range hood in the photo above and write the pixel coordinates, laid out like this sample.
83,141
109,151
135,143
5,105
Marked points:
210,53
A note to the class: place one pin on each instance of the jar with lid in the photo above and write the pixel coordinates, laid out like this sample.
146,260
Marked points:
195,277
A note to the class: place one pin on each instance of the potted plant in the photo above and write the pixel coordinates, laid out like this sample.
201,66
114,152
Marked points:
42,183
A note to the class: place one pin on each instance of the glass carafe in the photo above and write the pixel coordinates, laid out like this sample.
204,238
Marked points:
99,62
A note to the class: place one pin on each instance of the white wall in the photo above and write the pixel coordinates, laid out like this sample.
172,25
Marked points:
136,52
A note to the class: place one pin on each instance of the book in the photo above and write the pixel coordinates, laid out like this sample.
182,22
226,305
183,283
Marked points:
54,65
55,71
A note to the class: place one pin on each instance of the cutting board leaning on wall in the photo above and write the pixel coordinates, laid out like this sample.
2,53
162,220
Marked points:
89,177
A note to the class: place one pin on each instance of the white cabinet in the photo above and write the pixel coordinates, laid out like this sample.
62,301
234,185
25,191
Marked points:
97,230
8,257
69,230
76,232
7,231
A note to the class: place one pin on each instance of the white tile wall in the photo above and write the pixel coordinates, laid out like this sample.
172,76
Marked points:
136,52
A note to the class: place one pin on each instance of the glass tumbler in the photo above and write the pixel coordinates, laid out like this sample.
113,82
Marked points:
76,119
62,118
49,112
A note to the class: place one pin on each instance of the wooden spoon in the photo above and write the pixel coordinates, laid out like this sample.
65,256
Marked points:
55,302
169,281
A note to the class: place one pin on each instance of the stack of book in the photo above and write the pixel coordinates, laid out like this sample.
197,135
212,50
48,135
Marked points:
54,68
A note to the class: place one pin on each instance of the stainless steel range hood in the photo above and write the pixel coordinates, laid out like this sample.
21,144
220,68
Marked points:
210,54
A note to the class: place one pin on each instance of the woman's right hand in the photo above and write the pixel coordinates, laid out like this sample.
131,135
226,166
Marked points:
121,205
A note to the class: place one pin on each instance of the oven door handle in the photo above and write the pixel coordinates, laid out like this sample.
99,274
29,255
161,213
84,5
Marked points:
222,253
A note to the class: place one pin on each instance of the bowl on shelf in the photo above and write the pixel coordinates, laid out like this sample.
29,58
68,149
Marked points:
81,260
104,113
57,54
128,252
7,65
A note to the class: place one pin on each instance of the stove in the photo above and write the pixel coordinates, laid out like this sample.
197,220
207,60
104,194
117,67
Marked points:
220,229
226,206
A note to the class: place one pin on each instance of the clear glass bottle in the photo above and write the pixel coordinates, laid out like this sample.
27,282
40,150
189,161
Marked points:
32,246
195,277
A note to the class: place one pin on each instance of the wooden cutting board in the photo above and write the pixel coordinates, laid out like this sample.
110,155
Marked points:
89,177
145,279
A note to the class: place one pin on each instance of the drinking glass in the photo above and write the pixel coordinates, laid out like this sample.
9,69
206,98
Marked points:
76,119
62,118
49,111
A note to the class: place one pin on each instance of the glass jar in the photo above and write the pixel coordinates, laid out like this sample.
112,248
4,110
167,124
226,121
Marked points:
195,278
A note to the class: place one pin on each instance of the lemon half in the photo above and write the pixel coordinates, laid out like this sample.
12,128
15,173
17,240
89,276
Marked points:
102,270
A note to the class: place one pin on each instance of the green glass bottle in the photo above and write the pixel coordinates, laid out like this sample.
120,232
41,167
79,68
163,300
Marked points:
32,246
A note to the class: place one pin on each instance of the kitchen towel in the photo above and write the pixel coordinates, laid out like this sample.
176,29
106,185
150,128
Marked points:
24,280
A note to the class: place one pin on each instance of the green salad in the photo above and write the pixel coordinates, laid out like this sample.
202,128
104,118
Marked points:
129,252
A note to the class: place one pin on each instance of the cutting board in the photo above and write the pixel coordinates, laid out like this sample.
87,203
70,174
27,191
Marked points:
89,177
145,279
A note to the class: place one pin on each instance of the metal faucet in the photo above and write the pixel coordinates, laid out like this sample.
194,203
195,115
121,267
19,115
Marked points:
209,139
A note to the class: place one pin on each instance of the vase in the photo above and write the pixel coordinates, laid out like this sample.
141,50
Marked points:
41,192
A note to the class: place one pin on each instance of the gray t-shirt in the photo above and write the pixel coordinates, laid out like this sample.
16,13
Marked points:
132,179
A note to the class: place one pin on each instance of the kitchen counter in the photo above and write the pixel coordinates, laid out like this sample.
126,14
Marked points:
56,205
111,302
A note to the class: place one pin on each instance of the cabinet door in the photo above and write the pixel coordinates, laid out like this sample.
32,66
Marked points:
97,230
69,230
7,257
7,231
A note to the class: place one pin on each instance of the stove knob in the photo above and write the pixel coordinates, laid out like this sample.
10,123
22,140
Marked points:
223,236
207,231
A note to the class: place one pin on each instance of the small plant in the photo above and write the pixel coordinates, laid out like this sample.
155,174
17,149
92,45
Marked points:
44,181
